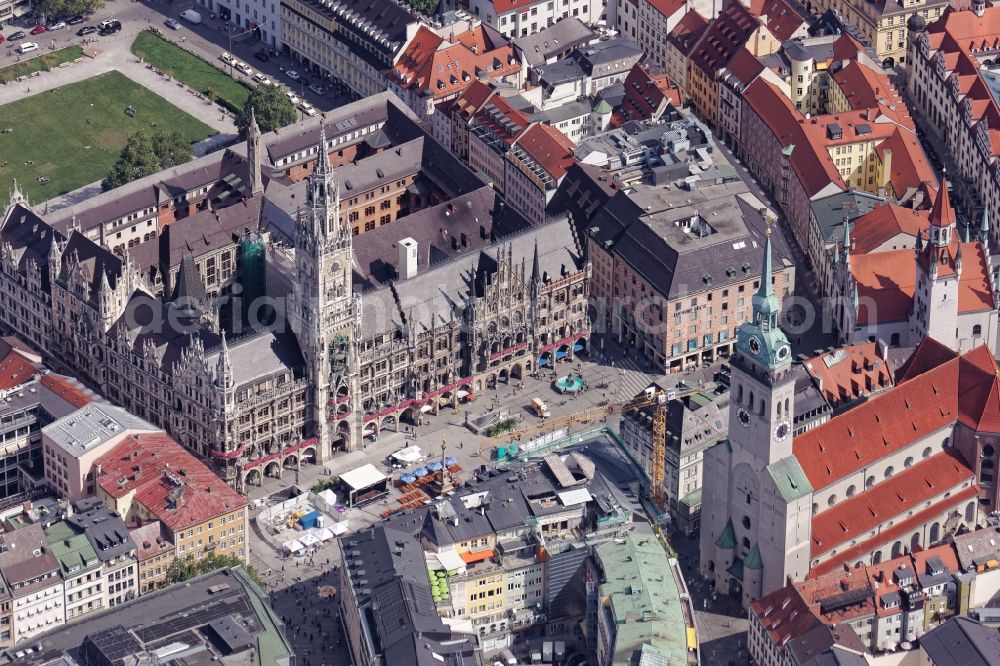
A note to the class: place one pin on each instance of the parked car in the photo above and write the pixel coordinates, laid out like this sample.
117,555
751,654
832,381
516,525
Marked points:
86,30
38,29
56,26
260,78
14,36
227,58
262,56
113,25
245,68
291,97
318,89
308,109
111,29
173,24
25,47
76,20
293,75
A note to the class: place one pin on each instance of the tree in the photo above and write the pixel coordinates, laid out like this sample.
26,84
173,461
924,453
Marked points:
271,106
181,570
144,154
63,8
171,149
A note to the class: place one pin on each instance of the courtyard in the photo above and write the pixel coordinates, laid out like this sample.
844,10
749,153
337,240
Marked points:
67,137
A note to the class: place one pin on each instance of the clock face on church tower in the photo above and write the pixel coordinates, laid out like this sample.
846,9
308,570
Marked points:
744,417
781,431
754,344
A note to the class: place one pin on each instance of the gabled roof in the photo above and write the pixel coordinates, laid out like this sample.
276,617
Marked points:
847,374
811,163
437,67
647,95
724,37
853,517
549,148
883,223
688,32
779,16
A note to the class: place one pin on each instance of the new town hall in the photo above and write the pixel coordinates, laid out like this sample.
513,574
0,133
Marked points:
391,279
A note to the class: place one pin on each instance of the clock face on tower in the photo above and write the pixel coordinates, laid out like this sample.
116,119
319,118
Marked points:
781,431
744,417
784,351
754,344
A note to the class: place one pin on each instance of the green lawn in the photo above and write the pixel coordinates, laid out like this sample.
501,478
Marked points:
42,62
189,69
52,132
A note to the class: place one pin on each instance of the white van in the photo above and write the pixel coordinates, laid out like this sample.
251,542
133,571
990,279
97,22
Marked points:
191,16
27,47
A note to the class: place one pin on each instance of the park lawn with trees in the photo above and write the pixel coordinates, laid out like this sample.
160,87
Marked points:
146,153
74,134
189,69
181,570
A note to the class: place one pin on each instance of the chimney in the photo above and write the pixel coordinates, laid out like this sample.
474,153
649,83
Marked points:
407,258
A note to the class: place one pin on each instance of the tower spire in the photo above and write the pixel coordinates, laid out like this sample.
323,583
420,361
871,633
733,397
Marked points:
847,239
254,154
765,303
224,368
534,264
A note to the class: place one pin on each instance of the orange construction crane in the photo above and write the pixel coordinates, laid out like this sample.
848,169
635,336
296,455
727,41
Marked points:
657,399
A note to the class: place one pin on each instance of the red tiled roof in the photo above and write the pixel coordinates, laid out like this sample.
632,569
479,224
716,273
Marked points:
688,32
899,530
745,67
784,613
430,64
158,457
886,500
909,167
934,389
497,109
850,373
888,422
504,6
549,147
929,354
667,7
780,17
887,281
847,48
724,37
15,370
646,95
472,99
883,223
866,88
811,162
150,540
942,214
67,389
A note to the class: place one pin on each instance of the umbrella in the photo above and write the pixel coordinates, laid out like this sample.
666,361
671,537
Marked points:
327,591
341,508
434,466
420,472
450,460
407,478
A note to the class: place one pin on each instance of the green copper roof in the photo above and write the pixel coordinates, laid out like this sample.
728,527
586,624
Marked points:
728,537
645,600
753,560
736,569
602,107
71,549
790,478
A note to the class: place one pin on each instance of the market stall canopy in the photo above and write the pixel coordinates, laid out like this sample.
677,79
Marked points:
293,546
363,477
410,454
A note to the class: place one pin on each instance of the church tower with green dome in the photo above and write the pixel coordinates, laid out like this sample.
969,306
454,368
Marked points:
756,501
760,419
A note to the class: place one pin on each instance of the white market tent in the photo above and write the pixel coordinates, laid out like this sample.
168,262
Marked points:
329,498
410,454
293,546
324,534
309,539
340,528
361,479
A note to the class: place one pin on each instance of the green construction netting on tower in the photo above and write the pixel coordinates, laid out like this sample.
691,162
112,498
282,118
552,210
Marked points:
253,269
